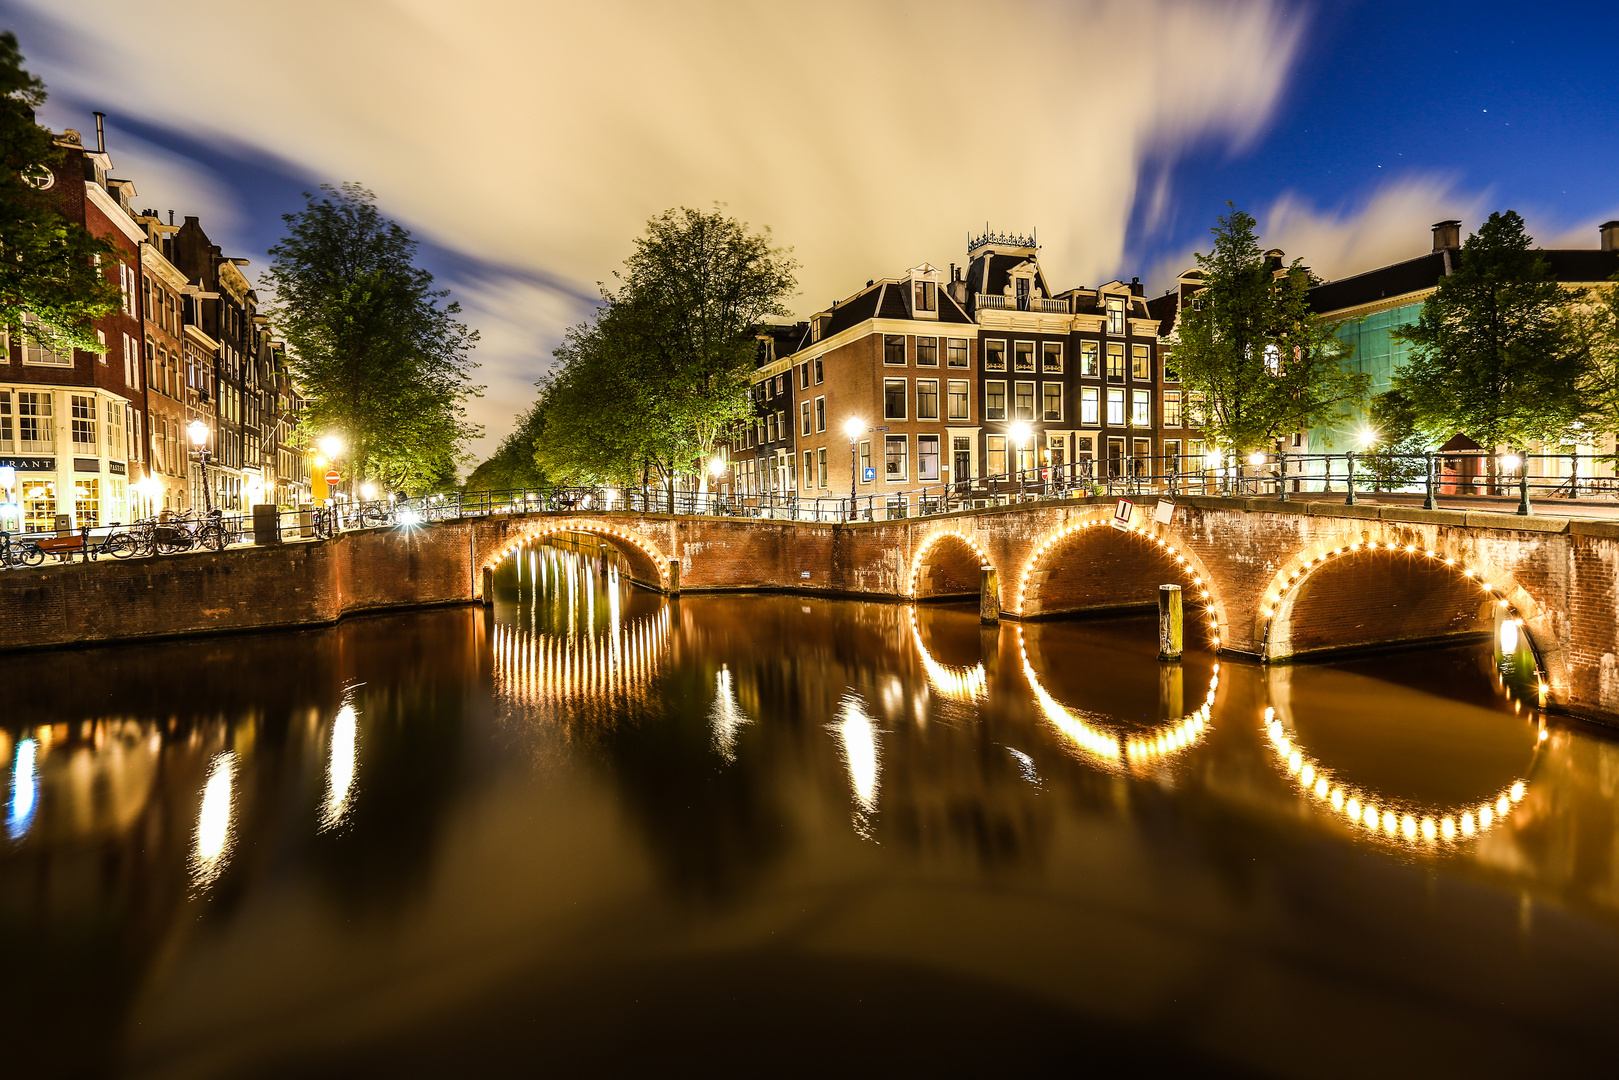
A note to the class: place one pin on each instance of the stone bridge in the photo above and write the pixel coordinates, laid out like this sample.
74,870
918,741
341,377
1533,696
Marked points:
1265,579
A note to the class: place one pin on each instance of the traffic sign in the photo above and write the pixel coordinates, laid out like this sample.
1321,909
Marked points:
332,477
1122,512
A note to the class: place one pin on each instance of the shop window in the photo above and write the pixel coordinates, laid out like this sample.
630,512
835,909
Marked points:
87,503
38,505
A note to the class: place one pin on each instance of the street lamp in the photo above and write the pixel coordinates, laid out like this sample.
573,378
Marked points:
198,431
852,427
331,446
1020,437
1257,458
150,487
368,490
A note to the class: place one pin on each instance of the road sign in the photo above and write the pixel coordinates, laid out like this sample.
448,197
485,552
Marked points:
871,474
332,477
1121,514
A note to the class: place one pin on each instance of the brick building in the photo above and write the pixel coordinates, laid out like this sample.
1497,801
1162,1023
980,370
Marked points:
72,424
170,404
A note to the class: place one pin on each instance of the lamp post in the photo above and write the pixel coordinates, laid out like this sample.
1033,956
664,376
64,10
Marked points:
716,469
150,487
852,428
199,439
1020,435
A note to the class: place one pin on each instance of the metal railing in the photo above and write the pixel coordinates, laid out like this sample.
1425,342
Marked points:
1513,482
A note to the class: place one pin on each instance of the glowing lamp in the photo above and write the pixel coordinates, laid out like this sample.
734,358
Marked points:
852,426
1510,462
198,432
1019,431
717,466
331,446
1257,458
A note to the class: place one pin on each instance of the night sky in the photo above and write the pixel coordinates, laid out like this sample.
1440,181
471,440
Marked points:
526,143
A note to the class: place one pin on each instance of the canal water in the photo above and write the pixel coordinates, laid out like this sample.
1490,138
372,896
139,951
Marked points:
597,832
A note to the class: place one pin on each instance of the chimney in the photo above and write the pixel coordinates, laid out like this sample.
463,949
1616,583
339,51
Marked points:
1136,288
1447,235
101,134
1610,235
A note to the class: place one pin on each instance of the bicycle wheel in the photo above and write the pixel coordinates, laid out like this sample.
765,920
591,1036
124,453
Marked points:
211,536
31,555
119,546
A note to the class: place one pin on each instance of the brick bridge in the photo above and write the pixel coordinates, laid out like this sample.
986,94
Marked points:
1267,579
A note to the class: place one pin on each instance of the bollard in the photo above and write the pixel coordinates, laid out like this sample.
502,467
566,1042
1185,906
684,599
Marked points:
266,523
989,595
1170,623
674,577
488,586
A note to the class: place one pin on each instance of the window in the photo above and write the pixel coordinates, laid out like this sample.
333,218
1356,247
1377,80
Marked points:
894,349
1051,356
927,399
1023,401
820,466
1025,454
1195,414
781,423
84,423
994,356
1298,440
87,503
1140,365
820,372
1023,355
1170,374
115,430
1115,361
1115,408
38,505
894,457
926,300
927,352
137,445
1141,408
927,457
38,355
1056,450
1051,406
1089,363
865,460
994,455
1115,315
1142,452
956,352
6,432
1172,408
803,375
781,384
959,398
820,414
804,417
809,470
893,399
1088,406
770,428
1273,360
1172,456
994,401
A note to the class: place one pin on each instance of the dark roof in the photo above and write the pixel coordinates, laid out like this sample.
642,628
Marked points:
886,300
855,310
1571,265
892,305
1164,308
1000,267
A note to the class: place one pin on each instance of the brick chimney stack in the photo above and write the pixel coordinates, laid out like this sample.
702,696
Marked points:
1447,235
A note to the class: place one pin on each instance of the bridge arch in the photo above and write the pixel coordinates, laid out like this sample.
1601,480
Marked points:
946,563
1356,592
1139,562
645,560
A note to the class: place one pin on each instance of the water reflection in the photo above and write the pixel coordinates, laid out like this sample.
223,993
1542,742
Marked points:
595,794
213,844
340,764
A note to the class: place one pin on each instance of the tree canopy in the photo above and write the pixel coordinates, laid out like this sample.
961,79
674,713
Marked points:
383,365
660,375
512,465
48,265
1250,345
1495,354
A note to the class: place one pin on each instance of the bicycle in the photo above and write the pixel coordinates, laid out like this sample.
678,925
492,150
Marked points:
23,553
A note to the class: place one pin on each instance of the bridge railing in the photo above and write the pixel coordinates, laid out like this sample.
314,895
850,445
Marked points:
1512,481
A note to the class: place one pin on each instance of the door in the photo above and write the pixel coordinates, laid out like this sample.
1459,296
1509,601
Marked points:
961,465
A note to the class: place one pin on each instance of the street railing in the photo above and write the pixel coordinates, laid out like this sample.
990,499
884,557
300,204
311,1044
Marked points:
1468,477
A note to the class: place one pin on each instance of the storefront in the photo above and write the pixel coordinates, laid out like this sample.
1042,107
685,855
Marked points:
69,448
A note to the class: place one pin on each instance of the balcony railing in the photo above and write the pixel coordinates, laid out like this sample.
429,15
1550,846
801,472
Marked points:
1042,304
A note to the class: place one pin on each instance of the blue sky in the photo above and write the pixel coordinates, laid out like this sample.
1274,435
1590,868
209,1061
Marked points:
525,143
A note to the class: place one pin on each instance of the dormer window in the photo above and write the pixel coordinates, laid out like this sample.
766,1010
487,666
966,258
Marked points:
1115,314
926,294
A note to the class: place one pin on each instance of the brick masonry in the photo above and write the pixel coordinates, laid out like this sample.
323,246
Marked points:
1350,580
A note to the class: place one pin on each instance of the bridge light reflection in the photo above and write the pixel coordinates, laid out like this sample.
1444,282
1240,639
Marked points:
960,683
24,788
858,733
726,717
340,765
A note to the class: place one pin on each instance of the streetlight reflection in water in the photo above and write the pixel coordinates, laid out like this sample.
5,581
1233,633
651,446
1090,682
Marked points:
340,767
858,733
24,788
212,850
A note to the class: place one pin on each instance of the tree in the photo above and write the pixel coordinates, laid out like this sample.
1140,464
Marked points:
1594,319
1494,353
380,362
663,372
1264,365
1394,452
48,265
512,465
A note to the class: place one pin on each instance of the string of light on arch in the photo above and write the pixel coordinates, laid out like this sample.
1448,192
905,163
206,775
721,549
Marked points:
1199,592
927,545
587,526
1290,577
1392,819
960,683
1111,747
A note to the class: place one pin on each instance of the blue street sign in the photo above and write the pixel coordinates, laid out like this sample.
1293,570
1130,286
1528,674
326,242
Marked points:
871,474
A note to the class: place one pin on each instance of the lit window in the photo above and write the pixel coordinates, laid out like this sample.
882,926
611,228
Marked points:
1051,404
894,399
1115,361
1088,406
1172,408
994,356
1115,408
994,455
956,352
1115,315
1140,366
1023,402
1089,364
894,464
959,399
927,457
927,399
84,422
1141,408
994,401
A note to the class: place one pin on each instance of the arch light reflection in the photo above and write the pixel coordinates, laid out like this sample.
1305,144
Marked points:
213,843
963,684
24,788
342,759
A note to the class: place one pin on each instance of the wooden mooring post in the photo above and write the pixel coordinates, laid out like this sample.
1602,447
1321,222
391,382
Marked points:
1171,624
989,595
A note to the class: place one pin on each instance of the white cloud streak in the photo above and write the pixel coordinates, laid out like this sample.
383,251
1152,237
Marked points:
869,136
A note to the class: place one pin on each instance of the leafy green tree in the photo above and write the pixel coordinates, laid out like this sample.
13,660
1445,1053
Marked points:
512,465
1494,353
48,264
1264,365
382,364
656,381
1595,320
1394,455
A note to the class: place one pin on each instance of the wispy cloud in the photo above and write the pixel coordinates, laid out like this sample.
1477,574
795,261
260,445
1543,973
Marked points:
542,135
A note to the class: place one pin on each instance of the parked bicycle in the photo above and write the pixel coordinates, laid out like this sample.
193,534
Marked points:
19,552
